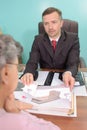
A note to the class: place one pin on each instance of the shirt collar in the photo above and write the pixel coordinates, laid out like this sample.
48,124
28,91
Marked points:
54,39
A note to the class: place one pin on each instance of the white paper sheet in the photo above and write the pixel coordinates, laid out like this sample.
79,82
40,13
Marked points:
80,91
31,89
59,107
42,77
26,94
56,80
22,96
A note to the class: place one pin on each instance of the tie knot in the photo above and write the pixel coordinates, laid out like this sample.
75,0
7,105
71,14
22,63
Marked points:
54,44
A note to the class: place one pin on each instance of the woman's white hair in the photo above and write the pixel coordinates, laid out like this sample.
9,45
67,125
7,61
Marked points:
8,50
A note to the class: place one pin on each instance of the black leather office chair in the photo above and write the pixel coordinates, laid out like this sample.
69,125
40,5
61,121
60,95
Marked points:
70,26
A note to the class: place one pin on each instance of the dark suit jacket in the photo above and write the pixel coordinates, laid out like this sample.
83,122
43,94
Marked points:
66,55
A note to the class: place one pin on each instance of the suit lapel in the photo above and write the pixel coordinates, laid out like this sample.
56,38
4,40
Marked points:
48,46
60,44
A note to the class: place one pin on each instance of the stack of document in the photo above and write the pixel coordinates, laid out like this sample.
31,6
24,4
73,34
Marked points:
53,99
49,100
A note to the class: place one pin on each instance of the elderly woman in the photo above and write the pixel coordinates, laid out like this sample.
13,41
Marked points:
11,114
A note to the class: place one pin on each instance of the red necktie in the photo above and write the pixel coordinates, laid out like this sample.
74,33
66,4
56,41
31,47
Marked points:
54,44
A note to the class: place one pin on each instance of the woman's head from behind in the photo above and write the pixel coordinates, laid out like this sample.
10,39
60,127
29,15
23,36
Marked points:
8,63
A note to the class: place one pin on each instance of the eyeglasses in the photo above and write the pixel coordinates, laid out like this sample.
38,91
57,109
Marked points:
20,67
14,64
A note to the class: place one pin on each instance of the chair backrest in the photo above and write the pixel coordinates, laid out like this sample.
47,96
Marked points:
68,25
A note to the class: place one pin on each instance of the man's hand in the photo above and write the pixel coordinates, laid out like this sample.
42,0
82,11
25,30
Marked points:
27,79
68,80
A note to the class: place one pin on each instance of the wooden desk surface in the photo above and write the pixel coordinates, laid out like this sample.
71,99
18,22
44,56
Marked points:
58,70
71,123
22,67
83,69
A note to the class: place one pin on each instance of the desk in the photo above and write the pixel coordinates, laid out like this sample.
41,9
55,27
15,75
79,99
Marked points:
22,67
69,123
82,69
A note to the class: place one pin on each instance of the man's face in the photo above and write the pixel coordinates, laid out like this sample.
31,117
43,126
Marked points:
52,24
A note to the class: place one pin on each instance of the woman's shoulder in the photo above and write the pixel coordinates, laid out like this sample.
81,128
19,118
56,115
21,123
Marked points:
24,121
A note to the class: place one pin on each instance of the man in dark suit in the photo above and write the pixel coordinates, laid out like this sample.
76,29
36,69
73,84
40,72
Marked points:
66,53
